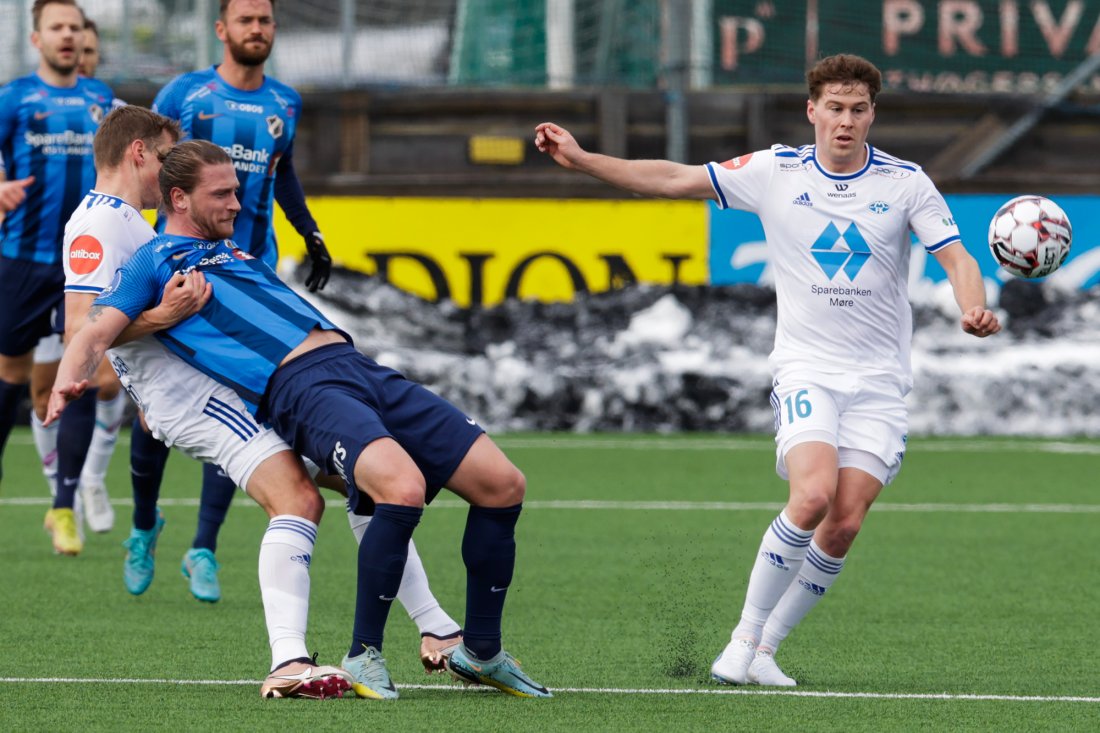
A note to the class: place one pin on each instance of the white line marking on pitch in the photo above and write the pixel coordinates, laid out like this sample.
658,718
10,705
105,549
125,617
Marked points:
917,445
611,690
726,506
645,443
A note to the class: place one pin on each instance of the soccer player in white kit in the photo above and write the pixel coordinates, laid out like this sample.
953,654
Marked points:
837,217
208,421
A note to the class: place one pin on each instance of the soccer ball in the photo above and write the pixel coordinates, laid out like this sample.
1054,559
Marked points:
1030,236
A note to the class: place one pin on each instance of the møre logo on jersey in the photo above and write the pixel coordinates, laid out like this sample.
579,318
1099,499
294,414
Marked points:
851,259
85,254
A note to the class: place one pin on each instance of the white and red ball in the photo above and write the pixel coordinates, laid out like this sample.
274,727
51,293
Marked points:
1030,236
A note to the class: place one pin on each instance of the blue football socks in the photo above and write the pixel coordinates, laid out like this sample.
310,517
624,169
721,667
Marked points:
489,552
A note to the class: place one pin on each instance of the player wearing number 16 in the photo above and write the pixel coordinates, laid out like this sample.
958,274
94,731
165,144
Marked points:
837,217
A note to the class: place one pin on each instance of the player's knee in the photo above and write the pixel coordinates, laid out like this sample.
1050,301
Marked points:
310,504
506,488
302,501
108,390
809,507
403,490
837,539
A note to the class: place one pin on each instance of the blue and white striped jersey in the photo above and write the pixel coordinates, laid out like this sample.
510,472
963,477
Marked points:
47,132
256,128
243,333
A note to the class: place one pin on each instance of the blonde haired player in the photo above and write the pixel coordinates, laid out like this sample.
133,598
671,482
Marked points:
837,216
206,420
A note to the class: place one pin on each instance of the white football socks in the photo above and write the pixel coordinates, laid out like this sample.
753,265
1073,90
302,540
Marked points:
816,576
285,554
45,440
777,564
414,594
108,419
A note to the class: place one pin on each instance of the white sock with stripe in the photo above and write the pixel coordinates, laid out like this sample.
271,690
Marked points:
45,441
816,576
414,594
285,554
108,419
778,561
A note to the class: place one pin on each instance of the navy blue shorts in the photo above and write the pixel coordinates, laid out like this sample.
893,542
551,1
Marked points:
32,304
330,403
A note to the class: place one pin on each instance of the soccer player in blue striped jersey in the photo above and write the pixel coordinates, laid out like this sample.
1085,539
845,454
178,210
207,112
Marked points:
393,442
47,122
838,216
254,118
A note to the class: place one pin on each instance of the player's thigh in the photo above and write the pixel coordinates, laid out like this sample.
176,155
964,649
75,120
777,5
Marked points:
437,435
280,484
43,375
875,424
486,477
857,489
218,429
107,381
386,473
806,411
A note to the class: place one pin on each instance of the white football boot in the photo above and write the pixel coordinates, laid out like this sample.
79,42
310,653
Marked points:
764,671
732,665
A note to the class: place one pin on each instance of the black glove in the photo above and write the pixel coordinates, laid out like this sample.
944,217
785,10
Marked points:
320,263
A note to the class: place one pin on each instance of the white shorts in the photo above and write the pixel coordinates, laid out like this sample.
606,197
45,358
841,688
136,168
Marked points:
49,349
863,417
221,431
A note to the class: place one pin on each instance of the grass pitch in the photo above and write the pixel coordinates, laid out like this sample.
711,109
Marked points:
968,602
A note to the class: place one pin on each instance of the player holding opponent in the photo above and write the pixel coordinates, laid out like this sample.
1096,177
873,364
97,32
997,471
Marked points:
254,118
837,216
128,150
394,442
47,121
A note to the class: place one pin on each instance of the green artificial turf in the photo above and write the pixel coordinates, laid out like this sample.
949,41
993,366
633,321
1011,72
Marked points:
633,556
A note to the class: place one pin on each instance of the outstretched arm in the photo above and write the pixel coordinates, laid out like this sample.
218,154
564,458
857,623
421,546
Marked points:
661,178
966,281
82,357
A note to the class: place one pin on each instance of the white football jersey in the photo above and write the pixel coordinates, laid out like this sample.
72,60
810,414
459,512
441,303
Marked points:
102,235
839,246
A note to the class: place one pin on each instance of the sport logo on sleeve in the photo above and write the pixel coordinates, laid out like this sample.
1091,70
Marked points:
739,162
85,254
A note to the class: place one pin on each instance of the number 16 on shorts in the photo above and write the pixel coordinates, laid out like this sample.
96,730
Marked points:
792,406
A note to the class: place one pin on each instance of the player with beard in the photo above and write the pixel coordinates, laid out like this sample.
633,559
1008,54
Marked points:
394,443
254,118
47,121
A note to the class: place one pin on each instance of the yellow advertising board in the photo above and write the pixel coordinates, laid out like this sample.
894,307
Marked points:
480,251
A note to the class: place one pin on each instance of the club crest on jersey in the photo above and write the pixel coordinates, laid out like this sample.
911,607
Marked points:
96,113
878,207
831,260
275,126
